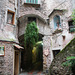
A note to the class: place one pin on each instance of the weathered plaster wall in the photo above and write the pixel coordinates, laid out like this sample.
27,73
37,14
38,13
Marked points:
7,31
58,42
56,67
7,61
50,41
22,25
30,10
2,13
46,53
44,29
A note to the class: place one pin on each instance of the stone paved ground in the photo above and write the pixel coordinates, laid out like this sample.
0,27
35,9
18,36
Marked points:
32,73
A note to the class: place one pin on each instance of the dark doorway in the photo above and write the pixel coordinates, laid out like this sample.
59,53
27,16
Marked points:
55,52
16,63
37,56
36,64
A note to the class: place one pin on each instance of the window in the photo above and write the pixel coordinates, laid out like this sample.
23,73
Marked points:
55,52
71,26
10,17
30,19
64,38
2,51
32,1
57,22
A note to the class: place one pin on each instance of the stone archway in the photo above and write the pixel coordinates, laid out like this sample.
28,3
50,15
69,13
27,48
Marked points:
43,27
25,58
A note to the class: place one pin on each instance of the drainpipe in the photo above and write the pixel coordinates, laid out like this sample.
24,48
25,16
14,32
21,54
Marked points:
16,11
0,21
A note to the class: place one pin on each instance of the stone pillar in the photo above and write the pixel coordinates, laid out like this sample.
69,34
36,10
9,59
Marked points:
46,53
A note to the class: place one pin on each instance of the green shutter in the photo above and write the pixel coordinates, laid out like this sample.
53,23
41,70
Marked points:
36,1
29,1
72,29
0,48
32,1
26,1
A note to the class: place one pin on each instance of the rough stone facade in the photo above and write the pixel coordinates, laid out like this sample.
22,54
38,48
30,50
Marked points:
44,12
47,10
7,34
56,66
7,30
7,61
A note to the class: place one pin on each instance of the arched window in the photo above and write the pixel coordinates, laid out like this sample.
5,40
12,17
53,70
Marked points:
57,22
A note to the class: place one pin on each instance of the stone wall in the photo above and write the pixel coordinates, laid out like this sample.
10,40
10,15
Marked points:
50,41
46,53
2,13
7,61
7,31
44,29
56,67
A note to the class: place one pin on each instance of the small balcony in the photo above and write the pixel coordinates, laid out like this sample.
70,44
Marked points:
72,28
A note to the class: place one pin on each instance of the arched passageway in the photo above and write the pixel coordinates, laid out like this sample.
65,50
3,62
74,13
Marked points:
33,62
36,63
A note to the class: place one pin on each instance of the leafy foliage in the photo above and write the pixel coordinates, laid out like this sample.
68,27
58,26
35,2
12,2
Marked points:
31,34
71,63
30,38
37,56
73,16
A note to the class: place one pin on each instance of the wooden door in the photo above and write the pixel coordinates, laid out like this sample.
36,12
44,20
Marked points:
16,66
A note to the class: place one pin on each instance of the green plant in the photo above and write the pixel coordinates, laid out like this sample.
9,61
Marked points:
31,34
70,63
73,16
30,39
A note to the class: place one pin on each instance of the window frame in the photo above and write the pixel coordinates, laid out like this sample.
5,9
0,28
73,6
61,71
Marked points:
32,1
55,18
13,17
71,26
53,52
4,51
32,19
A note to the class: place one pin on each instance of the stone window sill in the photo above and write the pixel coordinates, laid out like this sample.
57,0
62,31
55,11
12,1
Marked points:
57,31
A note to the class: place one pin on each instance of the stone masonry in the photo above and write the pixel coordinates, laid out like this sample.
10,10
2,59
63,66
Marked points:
7,34
6,61
44,12
51,41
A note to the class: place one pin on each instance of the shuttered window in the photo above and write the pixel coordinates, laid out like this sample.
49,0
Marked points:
32,1
2,51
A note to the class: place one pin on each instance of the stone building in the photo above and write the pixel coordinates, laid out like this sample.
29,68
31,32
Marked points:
9,45
53,19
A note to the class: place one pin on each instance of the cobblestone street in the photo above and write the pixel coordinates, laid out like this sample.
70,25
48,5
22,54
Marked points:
32,73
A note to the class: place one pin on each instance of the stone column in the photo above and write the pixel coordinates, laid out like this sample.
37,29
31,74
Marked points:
46,53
